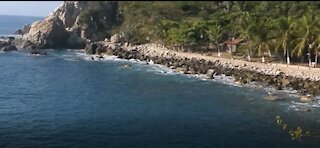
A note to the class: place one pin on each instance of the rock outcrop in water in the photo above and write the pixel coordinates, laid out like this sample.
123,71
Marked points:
24,30
71,25
6,44
49,33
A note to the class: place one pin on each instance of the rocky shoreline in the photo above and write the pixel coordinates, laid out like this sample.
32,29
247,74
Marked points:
63,29
207,66
196,64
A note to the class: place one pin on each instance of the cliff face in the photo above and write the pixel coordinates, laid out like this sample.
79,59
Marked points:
72,25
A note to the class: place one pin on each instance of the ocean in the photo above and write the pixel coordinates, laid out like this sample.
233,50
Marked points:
9,24
64,100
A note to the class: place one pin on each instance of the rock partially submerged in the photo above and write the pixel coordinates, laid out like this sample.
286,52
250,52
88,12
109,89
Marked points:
49,33
6,44
38,52
126,66
210,74
271,97
306,98
8,48
94,48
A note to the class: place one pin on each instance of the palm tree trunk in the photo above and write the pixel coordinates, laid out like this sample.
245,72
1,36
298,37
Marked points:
249,58
269,52
288,58
219,53
316,58
309,60
262,58
309,56
259,50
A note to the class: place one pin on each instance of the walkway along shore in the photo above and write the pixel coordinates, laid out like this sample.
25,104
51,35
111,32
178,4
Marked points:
303,79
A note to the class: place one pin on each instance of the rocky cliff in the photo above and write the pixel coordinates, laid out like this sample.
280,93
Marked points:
71,25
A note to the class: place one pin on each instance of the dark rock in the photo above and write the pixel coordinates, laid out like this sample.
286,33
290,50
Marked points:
75,42
24,30
8,48
37,52
285,82
94,48
6,44
279,87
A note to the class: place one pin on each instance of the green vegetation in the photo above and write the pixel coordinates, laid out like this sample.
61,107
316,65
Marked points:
286,30
94,18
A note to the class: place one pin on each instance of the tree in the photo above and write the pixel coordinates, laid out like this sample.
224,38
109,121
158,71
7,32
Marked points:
259,36
306,27
285,27
245,23
163,27
215,34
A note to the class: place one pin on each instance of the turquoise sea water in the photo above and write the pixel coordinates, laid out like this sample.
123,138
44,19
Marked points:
64,100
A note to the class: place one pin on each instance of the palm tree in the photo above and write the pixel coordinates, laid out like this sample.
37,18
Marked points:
316,55
238,9
260,37
285,27
306,27
315,42
215,35
244,26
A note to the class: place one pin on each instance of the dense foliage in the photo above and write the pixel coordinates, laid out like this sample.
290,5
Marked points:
98,17
287,30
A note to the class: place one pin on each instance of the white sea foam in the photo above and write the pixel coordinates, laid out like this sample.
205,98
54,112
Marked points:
163,70
312,104
152,67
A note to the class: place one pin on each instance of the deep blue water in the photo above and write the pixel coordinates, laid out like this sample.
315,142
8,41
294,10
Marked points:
61,100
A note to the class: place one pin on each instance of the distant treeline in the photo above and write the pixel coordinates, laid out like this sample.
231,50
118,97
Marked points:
285,29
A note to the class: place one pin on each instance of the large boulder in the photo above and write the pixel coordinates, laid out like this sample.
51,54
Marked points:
210,74
50,33
94,48
285,82
115,38
71,25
